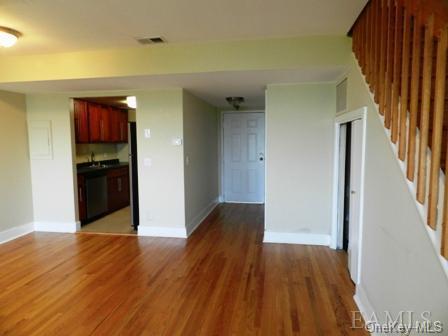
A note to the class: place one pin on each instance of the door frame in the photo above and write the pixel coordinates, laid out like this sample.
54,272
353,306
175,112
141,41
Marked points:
342,118
221,150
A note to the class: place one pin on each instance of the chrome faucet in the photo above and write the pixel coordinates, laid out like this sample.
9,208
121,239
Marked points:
92,158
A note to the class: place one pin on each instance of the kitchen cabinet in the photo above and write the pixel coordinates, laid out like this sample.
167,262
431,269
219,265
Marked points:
82,205
123,121
118,125
118,188
81,121
99,123
96,123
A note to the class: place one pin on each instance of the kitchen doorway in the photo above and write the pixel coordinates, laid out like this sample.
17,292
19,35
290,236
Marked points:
106,164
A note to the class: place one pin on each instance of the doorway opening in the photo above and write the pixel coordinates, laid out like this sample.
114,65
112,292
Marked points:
349,188
243,157
106,164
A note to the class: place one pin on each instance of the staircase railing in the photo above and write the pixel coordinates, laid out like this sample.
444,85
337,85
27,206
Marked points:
401,47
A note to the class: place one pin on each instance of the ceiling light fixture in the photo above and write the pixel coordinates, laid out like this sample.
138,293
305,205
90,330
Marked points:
131,101
8,37
235,102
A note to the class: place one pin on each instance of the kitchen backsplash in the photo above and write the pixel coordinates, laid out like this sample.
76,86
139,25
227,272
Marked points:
102,152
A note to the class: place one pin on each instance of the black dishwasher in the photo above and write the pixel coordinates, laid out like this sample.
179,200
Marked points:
96,194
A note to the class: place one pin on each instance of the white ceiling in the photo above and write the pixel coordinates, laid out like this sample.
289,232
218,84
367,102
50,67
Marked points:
69,25
213,87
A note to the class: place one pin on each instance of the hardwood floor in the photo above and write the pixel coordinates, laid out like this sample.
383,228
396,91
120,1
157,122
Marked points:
221,281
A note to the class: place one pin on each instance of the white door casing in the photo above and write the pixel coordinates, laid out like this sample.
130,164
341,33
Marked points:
243,157
359,129
355,200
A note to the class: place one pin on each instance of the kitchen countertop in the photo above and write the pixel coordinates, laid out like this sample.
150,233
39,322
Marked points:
103,167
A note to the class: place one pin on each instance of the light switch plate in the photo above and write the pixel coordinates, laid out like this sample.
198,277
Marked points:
147,133
147,162
177,141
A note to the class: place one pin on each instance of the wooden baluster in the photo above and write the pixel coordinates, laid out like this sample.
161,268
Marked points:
377,49
439,109
426,104
415,89
396,74
362,42
390,64
367,45
404,84
372,46
383,53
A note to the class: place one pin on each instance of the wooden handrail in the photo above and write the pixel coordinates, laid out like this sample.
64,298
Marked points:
402,49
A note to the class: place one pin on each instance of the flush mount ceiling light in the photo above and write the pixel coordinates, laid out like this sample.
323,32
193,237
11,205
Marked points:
235,101
131,101
8,37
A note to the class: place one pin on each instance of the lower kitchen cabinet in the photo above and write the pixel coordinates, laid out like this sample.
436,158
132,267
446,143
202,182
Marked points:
117,193
118,188
82,205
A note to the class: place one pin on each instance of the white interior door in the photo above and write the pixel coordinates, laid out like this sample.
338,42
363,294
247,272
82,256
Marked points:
355,199
244,162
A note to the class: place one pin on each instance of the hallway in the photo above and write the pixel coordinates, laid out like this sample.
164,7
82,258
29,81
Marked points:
221,281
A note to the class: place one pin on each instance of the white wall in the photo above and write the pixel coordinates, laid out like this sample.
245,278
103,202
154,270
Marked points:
161,186
53,179
200,159
400,267
299,154
15,174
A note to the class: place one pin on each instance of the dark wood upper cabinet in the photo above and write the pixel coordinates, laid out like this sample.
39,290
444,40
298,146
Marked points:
81,121
115,125
105,124
95,123
123,118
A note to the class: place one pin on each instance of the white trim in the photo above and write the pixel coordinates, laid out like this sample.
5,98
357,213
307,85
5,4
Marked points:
196,221
296,238
364,305
231,202
160,231
15,232
56,227
222,197
342,118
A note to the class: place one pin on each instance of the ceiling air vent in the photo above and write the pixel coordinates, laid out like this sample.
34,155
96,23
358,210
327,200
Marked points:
150,40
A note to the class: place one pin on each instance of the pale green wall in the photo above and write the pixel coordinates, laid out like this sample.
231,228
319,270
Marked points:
200,158
299,158
53,179
268,54
161,186
400,267
16,206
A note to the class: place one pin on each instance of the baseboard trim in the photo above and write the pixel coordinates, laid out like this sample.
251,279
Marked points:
194,224
296,238
59,227
364,305
15,232
160,231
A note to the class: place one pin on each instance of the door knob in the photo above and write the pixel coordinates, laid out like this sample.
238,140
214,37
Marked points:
261,157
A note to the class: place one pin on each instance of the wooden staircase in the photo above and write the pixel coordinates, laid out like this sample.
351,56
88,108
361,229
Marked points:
401,47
